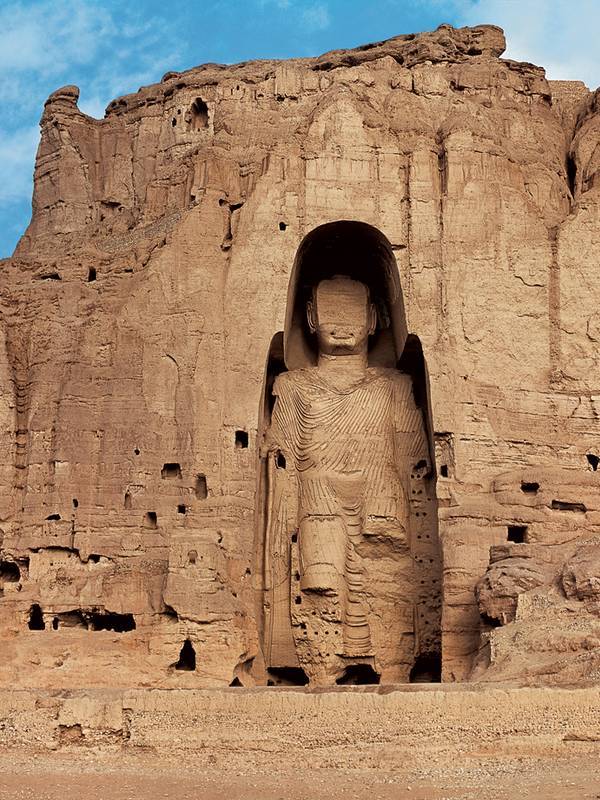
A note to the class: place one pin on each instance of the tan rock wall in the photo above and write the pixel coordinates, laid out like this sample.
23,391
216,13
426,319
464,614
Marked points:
190,213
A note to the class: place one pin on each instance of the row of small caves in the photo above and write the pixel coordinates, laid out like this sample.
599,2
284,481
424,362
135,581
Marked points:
110,621
92,272
427,666
171,471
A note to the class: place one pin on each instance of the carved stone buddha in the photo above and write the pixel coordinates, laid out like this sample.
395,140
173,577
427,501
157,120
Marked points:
343,440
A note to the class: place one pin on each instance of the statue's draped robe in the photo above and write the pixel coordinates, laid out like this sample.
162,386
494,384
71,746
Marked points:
347,456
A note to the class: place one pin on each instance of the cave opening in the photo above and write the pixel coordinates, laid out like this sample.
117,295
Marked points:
593,460
70,619
490,622
171,471
241,439
359,675
201,488
151,520
36,619
110,621
187,657
427,668
9,572
287,676
566,505
198,115
517,533
530,487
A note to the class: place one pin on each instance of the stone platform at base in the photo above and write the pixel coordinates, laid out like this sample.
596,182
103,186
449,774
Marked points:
349,724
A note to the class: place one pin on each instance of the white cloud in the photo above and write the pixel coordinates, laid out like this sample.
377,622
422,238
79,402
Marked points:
105,48
51,35
559,35
316,17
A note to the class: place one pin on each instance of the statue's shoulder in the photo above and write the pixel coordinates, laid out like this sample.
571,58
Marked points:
391,375
287,382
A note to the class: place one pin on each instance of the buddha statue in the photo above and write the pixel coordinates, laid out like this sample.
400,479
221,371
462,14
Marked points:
343,440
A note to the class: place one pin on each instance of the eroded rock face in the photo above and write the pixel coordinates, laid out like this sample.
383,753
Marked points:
546,601
142,320
511,574
581,575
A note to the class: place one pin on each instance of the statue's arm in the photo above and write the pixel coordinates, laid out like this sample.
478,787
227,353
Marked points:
281,490
280,429
411,432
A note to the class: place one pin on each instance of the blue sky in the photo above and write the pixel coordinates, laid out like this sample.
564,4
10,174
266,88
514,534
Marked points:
112,47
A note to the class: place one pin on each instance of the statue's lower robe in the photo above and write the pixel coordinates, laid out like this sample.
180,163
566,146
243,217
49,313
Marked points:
347,453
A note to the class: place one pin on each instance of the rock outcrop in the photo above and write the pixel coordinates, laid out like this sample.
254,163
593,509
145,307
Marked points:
141,305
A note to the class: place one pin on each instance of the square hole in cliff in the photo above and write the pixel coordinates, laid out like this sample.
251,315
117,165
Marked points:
201,488
110,621
171,471
529,487
36,619
151,520
517,534
241,439
197,116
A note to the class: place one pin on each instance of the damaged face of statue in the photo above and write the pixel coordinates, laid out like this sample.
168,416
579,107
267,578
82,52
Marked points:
342,316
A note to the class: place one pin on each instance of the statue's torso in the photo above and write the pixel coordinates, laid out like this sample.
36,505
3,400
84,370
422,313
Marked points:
342,441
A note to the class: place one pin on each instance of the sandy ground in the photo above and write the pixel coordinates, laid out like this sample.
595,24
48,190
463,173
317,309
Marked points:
101,775
451,743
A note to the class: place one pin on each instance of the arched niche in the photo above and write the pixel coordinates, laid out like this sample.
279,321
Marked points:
361,252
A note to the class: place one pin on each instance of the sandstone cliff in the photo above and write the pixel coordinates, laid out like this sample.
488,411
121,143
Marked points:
139,307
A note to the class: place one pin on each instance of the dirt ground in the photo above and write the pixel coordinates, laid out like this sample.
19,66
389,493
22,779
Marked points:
394,743
101,775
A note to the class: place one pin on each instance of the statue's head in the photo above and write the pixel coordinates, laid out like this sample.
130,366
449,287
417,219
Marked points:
342,316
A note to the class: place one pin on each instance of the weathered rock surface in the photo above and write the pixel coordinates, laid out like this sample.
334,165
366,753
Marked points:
581,574
510,575
139,309
547,601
